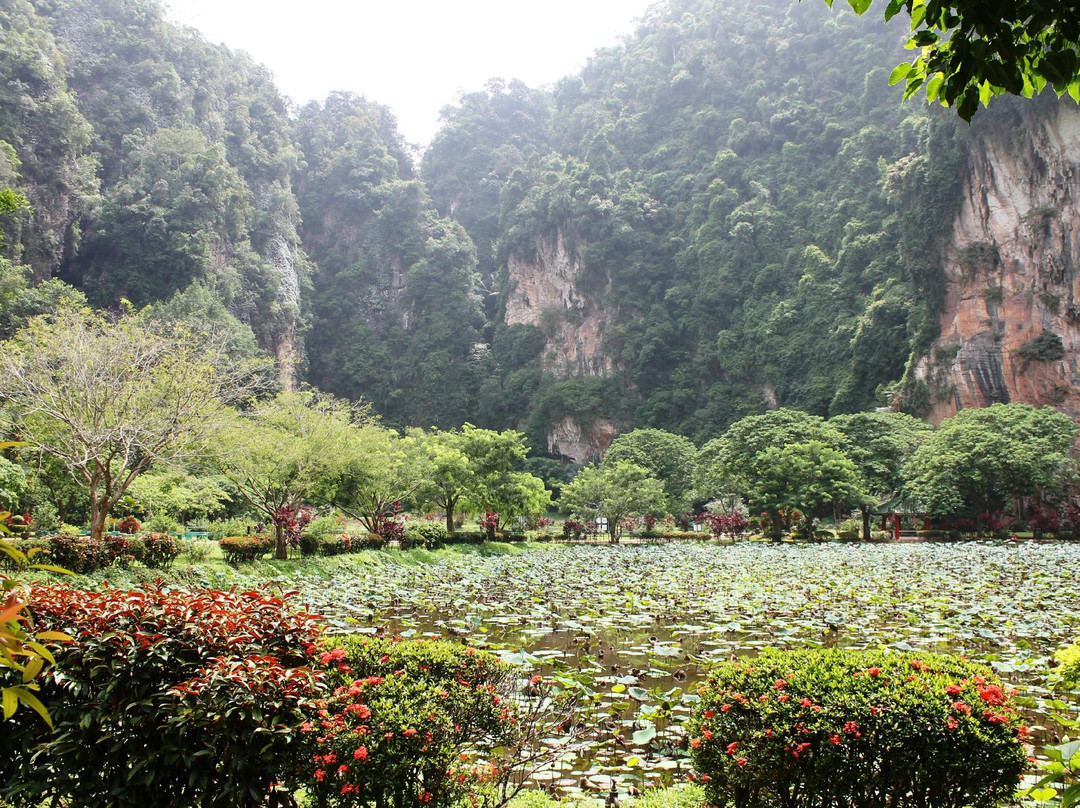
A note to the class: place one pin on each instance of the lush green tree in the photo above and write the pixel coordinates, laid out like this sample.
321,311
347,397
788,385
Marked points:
479,469
802,476
382,468
613,492
728,464
990,459
21,299
449,476
667,456
517,494
201,313
12,484
282,452
967,53
109,399
879,444
180,494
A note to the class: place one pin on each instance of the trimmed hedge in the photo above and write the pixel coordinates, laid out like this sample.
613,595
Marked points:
851,729
400,720
245,549
163,698
429,535
339,544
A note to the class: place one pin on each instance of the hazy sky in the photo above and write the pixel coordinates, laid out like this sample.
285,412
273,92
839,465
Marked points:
415,56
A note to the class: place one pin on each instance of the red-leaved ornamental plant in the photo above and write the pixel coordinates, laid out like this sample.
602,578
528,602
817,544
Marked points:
856,728
165,698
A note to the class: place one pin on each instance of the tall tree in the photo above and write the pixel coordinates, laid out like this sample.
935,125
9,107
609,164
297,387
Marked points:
282,452
668,457
879,443
381,469
614,493
985,460
805,477
110,399
477,468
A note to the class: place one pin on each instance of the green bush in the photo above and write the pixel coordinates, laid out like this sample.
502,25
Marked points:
196,550
850,729
467,537
429,535
309,544
122,549
162,523
849,530
401,716
161,550
1068,660
372,541
932,534
79,554
163,698
245,549
335,545
325,525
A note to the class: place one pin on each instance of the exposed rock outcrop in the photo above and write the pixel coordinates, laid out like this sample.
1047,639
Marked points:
583,444
1010,326
546,293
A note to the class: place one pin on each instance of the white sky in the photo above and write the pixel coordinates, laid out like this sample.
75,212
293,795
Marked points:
415,56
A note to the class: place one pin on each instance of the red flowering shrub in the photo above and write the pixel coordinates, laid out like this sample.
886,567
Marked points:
403,722
163,698
489,523
856,728
730,524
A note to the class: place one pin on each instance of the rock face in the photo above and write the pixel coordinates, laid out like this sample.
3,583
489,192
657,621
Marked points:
546,292
1010,325
582,444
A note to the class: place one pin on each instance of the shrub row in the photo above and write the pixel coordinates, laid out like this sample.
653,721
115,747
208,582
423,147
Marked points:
339,544
163,698
856,728
83,554
226,699
245,549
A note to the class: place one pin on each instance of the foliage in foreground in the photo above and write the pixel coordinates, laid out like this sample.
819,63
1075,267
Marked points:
863,729
404,723
163,698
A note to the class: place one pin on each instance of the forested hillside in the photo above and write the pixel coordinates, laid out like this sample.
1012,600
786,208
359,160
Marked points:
746,207
730,211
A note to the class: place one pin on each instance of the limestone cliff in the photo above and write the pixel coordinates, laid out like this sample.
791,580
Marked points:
546,292
1010,325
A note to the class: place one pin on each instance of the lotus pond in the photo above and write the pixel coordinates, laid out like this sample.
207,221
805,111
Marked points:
638,625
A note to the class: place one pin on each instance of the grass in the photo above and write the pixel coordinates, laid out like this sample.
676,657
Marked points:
207,567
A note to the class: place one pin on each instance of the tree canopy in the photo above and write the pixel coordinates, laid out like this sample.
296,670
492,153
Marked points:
613,492
967,53
110,399
982,460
